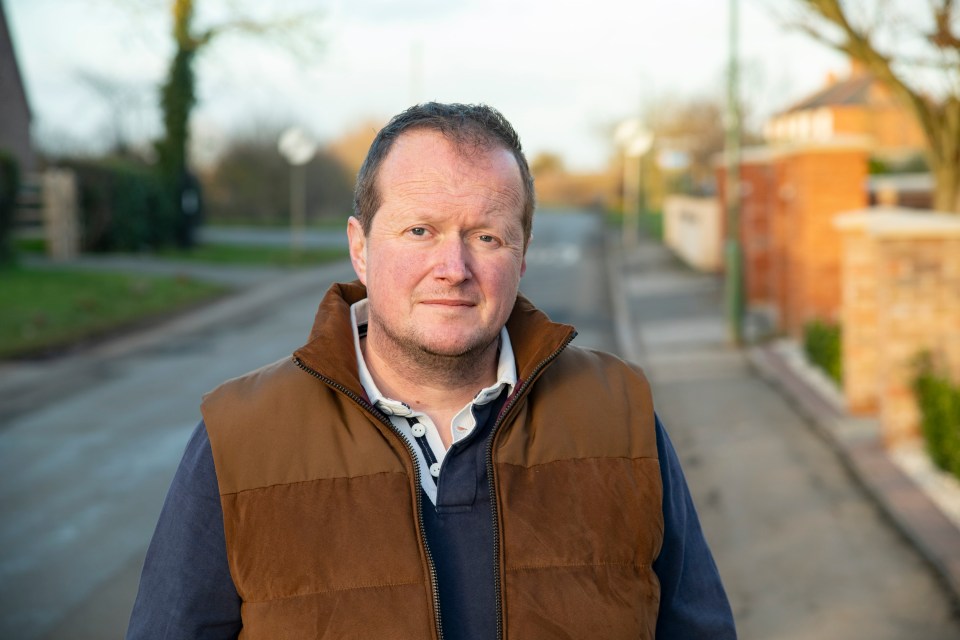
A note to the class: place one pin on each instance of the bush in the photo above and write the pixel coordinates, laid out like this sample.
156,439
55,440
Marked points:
125,206
251,184
821,343
9,185
651,224
939,402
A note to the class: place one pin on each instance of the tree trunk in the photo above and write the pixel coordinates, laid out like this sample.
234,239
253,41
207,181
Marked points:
178,95
946,195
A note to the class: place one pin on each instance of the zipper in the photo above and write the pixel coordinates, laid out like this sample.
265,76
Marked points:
511,402
416,470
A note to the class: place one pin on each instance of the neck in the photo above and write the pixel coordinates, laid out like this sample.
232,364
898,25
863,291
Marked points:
429,382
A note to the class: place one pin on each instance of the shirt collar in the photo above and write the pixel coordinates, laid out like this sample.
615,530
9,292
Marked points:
506,369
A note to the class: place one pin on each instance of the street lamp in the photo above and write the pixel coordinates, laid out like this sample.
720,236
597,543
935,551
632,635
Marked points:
733,258
298,148
635,141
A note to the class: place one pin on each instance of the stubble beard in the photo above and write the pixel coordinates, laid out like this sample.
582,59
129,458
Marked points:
410,353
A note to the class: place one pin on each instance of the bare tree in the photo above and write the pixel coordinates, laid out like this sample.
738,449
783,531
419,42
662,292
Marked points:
124,104
294,31
914,50
250,181
693,126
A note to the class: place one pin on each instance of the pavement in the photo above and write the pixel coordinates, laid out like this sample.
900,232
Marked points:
910,506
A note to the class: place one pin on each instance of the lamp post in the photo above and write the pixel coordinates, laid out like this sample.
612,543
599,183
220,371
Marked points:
298,148
733,255
634,140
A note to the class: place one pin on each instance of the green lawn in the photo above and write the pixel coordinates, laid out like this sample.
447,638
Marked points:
333,222
649,222
230,254
41,310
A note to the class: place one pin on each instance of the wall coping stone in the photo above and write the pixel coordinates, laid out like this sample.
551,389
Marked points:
899,222
768,153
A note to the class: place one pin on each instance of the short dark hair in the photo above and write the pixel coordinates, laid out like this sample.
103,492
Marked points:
467,126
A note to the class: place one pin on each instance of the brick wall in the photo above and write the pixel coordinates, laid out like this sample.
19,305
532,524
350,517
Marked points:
901,296
822,180
758,190
791,249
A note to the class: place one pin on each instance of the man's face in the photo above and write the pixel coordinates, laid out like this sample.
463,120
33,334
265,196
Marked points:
445,252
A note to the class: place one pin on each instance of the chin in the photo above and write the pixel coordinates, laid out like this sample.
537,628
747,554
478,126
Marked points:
455,347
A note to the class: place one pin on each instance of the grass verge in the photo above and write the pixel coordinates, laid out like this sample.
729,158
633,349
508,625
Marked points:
650,223
44,310
230,254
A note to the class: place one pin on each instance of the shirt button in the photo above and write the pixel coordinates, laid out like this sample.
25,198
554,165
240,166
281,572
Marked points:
435,469
418,430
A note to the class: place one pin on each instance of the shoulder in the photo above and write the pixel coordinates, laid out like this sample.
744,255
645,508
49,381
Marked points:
255,403
591,403
266,379
603,372
593,387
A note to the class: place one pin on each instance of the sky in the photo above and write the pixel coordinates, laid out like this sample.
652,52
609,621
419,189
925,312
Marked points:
563,72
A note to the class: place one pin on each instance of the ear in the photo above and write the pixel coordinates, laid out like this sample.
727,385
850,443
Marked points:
523,261
358,248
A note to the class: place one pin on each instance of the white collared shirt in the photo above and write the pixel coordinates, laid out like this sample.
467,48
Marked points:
463,422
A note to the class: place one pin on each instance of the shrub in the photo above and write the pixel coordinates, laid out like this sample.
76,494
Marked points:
939,402
821,342
9,185
651,223
125,206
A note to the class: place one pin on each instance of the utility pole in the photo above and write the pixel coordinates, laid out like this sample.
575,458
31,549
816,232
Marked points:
298,147
733,253
634,140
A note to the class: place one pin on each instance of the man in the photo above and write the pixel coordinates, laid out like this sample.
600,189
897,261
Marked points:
437,460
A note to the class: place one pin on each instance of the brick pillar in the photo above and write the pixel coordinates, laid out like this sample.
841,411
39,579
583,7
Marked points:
61,223
816,182
913,292
757,192
858,315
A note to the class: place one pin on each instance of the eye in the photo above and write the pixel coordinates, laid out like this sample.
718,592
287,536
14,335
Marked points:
488,240
418,231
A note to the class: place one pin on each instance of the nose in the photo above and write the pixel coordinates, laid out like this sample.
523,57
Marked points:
452,261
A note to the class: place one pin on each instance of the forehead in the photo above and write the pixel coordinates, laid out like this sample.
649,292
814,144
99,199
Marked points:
426,156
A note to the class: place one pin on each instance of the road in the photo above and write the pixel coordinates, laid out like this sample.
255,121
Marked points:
86,468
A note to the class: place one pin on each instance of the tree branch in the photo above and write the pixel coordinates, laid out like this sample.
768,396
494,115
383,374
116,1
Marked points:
943,36
859,46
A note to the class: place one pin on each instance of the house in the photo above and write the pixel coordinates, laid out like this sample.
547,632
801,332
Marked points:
858,106
14,108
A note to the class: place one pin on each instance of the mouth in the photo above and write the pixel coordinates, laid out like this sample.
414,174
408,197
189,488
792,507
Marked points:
446,302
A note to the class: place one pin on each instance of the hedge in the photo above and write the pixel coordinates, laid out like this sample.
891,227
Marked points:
821,342
939,402
125,206
9,185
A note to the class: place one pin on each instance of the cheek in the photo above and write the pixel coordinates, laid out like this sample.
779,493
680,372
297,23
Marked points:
505,282
391,272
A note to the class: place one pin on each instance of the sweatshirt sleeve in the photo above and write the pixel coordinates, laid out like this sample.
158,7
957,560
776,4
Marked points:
185,588
693,603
